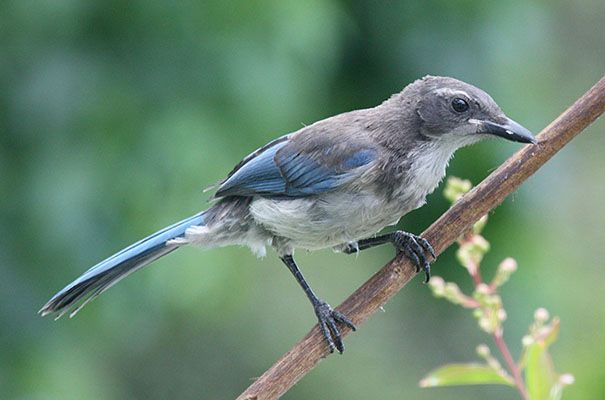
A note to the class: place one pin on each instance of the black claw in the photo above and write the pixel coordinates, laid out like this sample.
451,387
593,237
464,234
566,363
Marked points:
427,273
426,246
328,319
341,318
419,251
336,336
327,335
410,253
415,248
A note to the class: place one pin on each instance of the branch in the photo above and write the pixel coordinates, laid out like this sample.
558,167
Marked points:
307,353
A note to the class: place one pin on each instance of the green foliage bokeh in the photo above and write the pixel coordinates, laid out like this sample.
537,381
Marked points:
114,115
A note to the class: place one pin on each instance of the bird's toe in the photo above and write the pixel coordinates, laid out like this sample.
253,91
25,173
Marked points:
328,319
415,248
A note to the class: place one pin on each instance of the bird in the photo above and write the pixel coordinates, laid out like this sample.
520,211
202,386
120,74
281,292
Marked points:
333,184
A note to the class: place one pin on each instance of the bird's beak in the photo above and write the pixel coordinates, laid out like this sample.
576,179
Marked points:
510,130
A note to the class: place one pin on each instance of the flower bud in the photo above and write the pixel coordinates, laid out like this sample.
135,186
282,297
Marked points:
483,351
508,265
567,379
486,325
437,286
541,315
527,340
482,289
505,269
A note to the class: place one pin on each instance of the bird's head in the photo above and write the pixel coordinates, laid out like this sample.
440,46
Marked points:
452,111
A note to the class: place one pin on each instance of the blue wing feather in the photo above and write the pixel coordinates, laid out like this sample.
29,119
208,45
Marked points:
358,159
285,169
259,175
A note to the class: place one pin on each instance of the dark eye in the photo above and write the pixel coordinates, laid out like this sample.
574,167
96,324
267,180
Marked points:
459,105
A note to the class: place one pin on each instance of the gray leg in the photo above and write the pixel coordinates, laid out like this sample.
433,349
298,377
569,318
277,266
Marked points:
325,314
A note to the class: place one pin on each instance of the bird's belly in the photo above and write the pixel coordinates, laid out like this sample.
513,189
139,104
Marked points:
327,220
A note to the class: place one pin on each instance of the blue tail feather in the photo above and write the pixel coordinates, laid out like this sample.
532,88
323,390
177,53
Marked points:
111,270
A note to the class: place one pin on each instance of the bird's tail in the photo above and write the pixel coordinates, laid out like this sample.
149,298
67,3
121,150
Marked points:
111,270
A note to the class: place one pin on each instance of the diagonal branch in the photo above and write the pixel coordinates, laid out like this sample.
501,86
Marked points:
307,353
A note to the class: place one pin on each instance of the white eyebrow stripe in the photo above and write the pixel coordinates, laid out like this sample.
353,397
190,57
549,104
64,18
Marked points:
449,91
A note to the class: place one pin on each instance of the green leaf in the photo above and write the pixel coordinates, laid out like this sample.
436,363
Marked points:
464,374
539,374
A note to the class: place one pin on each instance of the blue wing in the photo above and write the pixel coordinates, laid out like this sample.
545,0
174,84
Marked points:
292,167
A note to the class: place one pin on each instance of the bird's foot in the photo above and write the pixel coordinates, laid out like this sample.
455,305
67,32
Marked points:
327,322
415,248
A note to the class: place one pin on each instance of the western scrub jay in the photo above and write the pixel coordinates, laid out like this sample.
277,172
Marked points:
330,184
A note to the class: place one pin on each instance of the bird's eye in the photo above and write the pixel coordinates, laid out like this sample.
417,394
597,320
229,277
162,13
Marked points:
459,105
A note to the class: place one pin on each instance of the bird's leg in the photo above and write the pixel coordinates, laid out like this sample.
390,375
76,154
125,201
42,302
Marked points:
414,247
325,314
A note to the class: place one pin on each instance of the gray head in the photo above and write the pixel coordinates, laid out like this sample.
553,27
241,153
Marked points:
452,111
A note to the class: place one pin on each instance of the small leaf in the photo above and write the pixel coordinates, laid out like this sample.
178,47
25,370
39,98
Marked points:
553,332
539,374
546,336
464,374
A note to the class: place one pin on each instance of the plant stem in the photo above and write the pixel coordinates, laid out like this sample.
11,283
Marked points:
508,358
475,273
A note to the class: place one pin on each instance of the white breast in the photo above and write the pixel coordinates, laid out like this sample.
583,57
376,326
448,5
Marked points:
428,170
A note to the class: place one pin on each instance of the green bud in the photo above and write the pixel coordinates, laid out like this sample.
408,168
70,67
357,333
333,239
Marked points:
453,293
505,269
472,251
492,314
483,351
437,286
482,292
527,340
495,364
455,188
487,325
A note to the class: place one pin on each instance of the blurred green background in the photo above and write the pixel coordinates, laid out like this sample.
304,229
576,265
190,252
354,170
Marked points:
114,115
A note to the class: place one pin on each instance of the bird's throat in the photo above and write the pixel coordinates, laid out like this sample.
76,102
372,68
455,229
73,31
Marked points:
428,168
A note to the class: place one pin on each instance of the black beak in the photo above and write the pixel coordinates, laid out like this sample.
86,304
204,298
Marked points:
510,130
